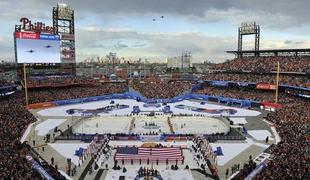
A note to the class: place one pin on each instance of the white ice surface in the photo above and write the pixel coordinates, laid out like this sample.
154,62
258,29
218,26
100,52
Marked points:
259,135
238,120
230,150
26,133
115,174
103,125
199,125
68,149
61,110
44,127
166,174
195,125
160,121
276,134
177,175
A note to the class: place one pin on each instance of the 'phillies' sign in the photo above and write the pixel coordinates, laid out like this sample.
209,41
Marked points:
27,25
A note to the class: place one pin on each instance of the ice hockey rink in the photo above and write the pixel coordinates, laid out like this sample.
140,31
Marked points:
61,110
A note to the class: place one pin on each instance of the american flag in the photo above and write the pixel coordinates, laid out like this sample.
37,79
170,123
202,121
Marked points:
151,154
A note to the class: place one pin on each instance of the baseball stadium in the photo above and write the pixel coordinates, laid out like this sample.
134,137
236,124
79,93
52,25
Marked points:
245,117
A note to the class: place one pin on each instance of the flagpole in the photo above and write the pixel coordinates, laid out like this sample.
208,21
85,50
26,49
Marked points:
277,81
25,84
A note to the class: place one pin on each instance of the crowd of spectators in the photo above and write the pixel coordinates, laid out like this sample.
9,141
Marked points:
245,171
284,79
4,83
239,93
13,164
267,63
290,157
14,119
160,89
57,81
74,92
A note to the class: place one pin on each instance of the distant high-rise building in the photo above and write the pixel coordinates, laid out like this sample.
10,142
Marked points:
111,58
174,62
181,62
186,60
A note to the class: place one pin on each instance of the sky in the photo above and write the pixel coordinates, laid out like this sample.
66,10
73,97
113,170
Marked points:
207,28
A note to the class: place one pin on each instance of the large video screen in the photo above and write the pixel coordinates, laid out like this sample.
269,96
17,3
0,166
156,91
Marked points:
37,48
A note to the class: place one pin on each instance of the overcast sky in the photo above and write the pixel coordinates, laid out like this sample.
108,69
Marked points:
207,28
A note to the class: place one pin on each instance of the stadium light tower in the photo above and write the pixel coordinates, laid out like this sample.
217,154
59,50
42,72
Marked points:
249,28
63,22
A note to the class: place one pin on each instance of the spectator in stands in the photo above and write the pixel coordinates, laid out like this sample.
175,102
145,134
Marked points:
14,119
267,63
161,90
289,158
284,79
53,94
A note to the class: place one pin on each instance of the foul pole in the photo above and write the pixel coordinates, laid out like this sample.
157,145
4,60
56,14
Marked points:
25,84
277,81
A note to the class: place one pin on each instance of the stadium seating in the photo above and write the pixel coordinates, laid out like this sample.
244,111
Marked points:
267,63
161,90
57,81
284,79
289,157
54,94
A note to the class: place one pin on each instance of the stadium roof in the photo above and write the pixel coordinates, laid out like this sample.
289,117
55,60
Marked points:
272,52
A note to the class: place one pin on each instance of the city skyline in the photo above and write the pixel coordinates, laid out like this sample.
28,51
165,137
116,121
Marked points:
207,28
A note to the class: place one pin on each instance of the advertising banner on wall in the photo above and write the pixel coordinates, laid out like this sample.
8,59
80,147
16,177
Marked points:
265,86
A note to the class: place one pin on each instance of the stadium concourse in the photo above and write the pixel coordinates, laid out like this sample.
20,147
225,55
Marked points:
59,134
